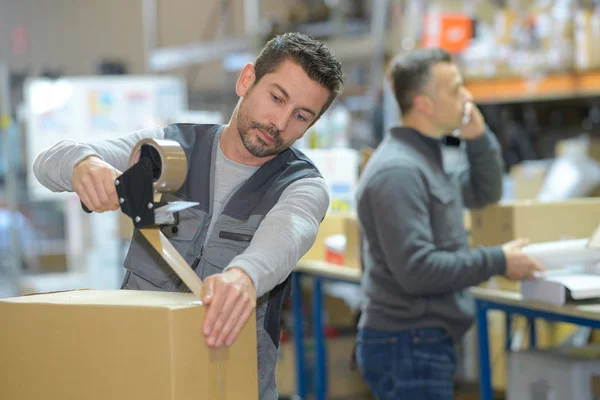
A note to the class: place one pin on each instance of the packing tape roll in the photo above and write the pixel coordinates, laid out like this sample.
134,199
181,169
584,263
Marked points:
173,163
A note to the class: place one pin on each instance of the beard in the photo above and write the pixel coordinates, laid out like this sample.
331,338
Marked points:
254,143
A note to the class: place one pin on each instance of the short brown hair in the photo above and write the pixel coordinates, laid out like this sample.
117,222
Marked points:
312,55
410,72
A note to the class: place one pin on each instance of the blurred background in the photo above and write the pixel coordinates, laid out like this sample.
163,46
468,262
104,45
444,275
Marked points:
85,70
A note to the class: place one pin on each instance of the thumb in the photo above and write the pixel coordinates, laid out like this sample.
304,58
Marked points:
208,291
519,243
537,266
116,173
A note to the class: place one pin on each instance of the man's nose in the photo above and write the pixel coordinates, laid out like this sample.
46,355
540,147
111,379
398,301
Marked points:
280,120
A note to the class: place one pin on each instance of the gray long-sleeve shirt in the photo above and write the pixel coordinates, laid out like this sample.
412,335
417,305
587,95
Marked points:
290,226
418,265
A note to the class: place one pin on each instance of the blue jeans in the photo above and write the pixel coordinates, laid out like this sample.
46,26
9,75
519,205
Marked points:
414,364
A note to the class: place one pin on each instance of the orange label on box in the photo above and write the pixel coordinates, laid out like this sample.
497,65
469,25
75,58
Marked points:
452,32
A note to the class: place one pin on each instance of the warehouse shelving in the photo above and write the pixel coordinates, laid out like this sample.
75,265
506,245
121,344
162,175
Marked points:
550,86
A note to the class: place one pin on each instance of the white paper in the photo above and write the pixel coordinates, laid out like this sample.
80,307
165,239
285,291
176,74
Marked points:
564,253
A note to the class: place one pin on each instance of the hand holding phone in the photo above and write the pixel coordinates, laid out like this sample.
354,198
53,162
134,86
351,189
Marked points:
473,123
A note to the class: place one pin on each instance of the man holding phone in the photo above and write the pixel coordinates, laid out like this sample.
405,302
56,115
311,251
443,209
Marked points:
418,267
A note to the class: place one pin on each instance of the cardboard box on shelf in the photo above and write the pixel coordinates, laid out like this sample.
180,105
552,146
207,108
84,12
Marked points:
497,224
337,223
538,221
119,345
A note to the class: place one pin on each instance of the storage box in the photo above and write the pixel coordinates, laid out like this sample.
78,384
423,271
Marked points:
537,221
335,224
560,373
119,345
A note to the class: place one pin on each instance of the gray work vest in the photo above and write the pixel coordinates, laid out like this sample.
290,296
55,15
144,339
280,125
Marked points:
231,234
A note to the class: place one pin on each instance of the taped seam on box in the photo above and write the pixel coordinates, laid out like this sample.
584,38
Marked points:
217,373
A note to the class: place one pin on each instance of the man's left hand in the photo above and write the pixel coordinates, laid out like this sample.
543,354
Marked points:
230,298
475,128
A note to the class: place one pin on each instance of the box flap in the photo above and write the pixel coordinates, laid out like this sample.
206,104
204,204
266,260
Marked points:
112,298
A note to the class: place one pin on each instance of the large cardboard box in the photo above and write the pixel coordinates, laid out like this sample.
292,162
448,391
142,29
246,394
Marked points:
119,345
535,220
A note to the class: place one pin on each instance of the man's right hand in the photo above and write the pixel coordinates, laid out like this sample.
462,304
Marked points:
519,266
94,183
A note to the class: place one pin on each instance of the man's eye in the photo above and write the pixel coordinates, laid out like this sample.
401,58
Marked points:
275,99
300,117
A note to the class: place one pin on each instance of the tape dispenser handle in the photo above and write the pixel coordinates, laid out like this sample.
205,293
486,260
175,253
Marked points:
87,210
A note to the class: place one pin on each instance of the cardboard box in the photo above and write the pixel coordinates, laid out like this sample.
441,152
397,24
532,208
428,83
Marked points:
119,345
537,221
335,224
497,224
560,373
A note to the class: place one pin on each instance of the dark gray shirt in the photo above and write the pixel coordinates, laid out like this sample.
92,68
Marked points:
417,262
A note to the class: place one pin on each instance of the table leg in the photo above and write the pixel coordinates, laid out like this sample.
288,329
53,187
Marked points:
485,374
508,330
532,333
319,338
298,335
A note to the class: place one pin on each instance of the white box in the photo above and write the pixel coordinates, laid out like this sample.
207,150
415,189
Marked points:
553,374
562,289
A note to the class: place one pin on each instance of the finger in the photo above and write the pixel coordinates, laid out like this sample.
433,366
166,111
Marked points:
520,242
231,295
100,186
241,322
232,318
214,309
537,266
468,113
94,202
208,290
85,200
111,192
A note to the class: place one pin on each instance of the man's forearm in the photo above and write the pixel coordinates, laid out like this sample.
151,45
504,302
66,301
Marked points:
437,272
287,232
482,182
53,167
